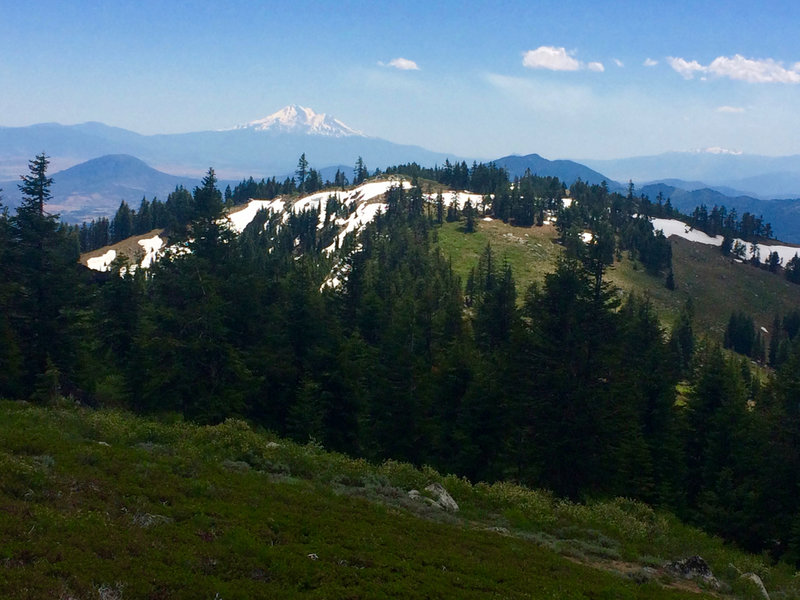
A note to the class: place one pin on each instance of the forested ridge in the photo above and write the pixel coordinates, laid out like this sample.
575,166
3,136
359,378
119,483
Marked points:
565,385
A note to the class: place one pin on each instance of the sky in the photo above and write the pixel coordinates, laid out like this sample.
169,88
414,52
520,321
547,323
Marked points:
581,79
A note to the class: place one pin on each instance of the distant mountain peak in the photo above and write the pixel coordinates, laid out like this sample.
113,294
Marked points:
718,150
299,119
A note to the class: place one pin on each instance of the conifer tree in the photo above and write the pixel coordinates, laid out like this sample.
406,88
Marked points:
45,256
302,173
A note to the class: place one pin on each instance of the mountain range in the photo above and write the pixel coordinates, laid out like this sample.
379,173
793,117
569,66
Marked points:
95,166
765,177
262,148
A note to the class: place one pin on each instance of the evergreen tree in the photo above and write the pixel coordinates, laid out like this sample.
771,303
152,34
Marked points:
44,256
302,173
469,216
122,225
360,172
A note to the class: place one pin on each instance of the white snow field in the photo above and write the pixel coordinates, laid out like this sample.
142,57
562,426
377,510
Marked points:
680,229
151,247
102,263
364,203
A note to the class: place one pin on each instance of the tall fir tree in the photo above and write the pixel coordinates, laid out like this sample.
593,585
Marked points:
45,257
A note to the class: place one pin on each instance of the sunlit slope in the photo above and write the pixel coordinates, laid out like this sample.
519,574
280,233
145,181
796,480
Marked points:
718,285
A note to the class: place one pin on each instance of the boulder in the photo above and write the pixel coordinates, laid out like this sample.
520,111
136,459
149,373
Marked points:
695,568
441,497
146,520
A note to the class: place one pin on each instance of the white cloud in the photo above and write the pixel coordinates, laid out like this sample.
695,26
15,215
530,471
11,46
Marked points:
730,109
619,63
558,59
753,71
403,64
739,68
550,57
649,62
686,68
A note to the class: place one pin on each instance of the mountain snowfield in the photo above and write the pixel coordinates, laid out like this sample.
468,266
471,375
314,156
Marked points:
364,203
678,228
150,246
299,119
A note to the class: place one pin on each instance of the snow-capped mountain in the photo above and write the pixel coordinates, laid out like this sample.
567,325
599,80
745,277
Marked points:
718,150
299,119
262,148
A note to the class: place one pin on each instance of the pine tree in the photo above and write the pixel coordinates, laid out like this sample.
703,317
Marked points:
469,215
44,256
302,173
360,172
122,225
439,207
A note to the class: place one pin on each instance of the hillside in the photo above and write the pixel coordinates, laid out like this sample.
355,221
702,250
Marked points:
105,504
96,187
567,171
717,284
782,214
337,317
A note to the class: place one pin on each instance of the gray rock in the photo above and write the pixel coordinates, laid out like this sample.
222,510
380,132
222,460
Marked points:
146,520
695,568
416,495
442,498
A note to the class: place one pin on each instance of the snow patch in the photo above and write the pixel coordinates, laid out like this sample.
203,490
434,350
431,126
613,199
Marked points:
681,229
102,263
242,218
151,248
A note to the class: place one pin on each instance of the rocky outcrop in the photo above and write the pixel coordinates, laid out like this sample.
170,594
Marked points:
438,497
694,568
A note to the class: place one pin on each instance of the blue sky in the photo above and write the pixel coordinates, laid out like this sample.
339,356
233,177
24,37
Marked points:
563,79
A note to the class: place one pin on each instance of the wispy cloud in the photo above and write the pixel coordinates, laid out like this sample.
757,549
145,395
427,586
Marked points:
403,64
649,62
730,109
619,63
544,97
739,68
555,58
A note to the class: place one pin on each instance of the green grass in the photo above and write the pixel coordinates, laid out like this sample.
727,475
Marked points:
717,285
105,504
531,252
